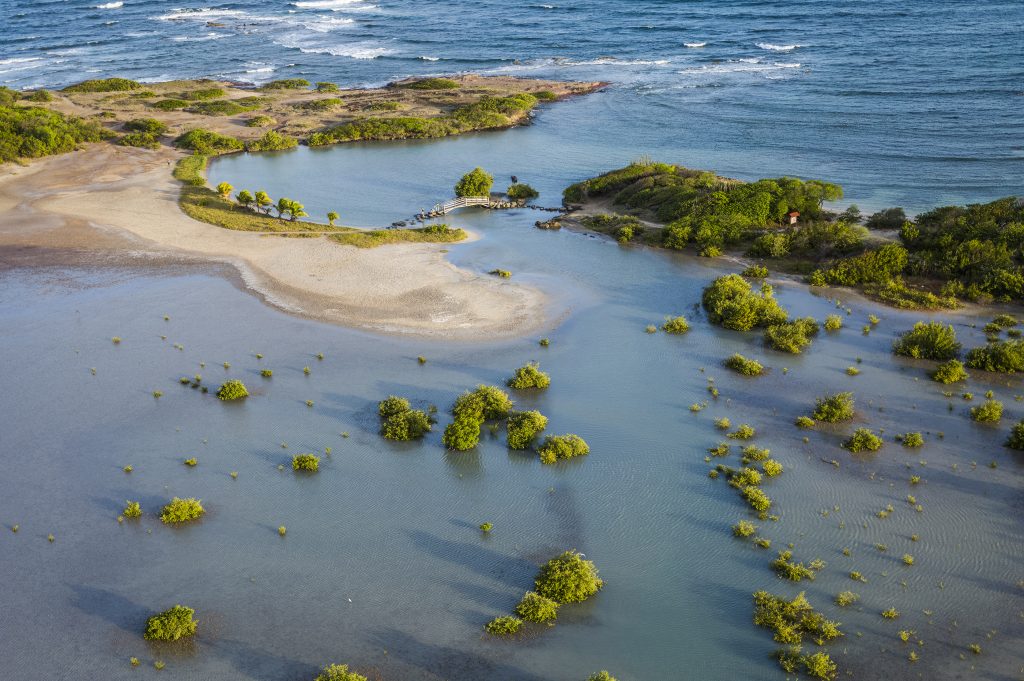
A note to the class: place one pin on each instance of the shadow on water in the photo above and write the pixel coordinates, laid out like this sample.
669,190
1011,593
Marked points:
483,561
111,607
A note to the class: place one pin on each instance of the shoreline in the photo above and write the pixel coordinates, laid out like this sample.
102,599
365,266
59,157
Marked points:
117,202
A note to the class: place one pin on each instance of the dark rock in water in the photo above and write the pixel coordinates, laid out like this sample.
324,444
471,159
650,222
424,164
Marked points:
550,224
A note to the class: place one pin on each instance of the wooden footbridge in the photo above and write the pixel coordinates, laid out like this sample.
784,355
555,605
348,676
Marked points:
462,202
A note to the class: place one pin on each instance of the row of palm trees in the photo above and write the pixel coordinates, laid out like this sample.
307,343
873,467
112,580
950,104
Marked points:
263,204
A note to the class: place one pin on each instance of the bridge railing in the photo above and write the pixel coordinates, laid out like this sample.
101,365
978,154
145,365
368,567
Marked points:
463,202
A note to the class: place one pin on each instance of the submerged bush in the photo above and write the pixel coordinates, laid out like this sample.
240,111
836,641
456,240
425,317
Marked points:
784,566
928,340
771,468
731,302
910,440
568,578
744,528
804,422
392,405
756,272
523,427
834,408
601,676
1005,357
833,322
863,440
171,625
675,325
950,372
306,462
557,447
991,411
181,511
536,608
463,434
522,192
504,626
132,509
791,620
338,672
757,499
744,365
486,403
529,376
744,432
791,337
411,424
1016,439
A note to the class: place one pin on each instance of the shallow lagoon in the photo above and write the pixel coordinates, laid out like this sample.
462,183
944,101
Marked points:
394,527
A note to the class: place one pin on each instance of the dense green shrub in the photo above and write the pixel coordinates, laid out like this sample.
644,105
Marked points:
104,85
306,462
911,440
207,142
201,94
785,567
536,608
40,96
32,132
411,424
529,376
232,390
1005,357
392,405
1016,439
743,529
271,141
804,422
170,104
756,272
744,365
834,408
221,107
338,672
558,447
601,676
319,105
1005,321
181,511
132,509
756,497
675,325
792,620
863,440
326,86
877,266
463,434
147,125
476,182
286,84
792,336
568,578
486,403
143,140
732,303
523,428
833,322
771,468
950,372
430,84
260,121
171,625
889,218
504,626
521,192
990,411
928,340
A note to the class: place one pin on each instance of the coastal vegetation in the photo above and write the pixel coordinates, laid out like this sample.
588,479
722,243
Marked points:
179,511
471,410
928,340
731,302
536,608
863,440
306,462
505,625
232,390
832,409
568,578
792,337
521,192
400,422
523,427
675,325
529,376
791,621
1003,357
561,447
744,365
338,672
171,625
476,182
33,132
951,371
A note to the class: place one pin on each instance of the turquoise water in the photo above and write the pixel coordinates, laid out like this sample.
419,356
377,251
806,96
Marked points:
393,526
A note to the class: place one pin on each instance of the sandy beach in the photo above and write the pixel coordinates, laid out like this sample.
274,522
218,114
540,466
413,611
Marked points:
111,205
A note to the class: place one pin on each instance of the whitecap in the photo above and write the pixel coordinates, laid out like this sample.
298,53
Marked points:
694,44
110,5
778,48
327,4
430,58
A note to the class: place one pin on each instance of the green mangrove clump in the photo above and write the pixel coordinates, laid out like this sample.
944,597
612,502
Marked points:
536,608
950,372
1016,439
306,462
911,440
675,325
132,509
834,408
171,625
990,411
558,447
833,322
731,302
529,376
791,337
232,390
568,578
338,672
863,440
504,626
928,340
1005,357
181,511
523,428
744,365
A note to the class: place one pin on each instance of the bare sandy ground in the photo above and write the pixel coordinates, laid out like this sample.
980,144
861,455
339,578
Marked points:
110,201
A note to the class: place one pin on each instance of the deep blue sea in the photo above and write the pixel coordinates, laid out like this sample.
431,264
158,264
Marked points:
906,102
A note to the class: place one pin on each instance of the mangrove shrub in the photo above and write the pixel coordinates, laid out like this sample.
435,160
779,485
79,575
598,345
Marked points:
171,625
731,302
568,578
338,672
1005,357
181,511
476,182
744,365
306,462
529,376
536,608
834,408
556,447
928,340
523,428
863,440
950,372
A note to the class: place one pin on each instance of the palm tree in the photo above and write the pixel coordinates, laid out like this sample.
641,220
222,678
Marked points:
224,189
331,217
244,198
283,206
296,210
263,202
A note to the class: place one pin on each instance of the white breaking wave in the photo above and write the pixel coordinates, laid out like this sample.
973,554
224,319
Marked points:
778,48
430,58
353,50
327,4
199,38
110,5
694,44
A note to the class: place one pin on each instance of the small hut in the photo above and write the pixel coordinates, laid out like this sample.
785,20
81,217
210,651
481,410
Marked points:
793,217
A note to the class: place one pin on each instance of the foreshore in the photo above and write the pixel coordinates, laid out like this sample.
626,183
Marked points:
111,204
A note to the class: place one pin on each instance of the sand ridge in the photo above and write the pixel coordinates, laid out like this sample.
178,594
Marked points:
110,198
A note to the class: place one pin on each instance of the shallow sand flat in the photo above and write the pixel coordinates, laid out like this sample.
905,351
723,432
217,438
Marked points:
107,198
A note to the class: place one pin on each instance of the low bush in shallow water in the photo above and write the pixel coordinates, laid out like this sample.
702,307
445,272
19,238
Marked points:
306,462
950,372
1016,439
744,365
784,566
523,427
338,672
536,608
392,405
171,625
833,322
181,511
675,325
834,408
132,509
791,337
772,468
744,528
411,424
863,440
504,626
791,621
529,376
911,440
928,340
1004,357
568,578
731,303
462,434
991,411
558,447
486,403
